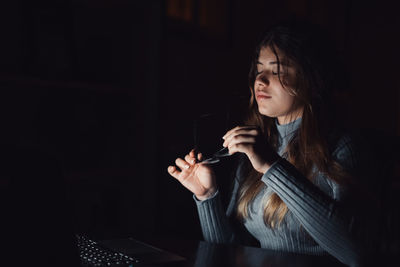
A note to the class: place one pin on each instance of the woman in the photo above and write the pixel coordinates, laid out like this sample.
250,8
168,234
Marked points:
294,177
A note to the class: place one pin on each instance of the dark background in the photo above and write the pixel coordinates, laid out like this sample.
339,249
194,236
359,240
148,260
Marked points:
112,89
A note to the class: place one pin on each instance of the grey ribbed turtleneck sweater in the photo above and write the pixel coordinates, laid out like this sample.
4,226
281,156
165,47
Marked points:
314,206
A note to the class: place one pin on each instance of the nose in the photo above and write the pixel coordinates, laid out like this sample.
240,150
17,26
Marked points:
262,81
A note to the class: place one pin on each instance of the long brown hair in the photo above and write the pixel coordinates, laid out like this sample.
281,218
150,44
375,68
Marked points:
315,63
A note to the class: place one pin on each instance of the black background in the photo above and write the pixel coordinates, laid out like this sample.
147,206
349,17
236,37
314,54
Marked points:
112,90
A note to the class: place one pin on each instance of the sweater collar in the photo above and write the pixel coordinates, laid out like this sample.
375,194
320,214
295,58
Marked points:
285,130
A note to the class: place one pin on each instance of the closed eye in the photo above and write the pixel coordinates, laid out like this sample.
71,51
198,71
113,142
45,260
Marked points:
281,73
273,73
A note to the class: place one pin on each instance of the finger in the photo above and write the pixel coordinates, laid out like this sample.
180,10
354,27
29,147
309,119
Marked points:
247,131
200,156
242,138
173,172
246,148
182,164
241,129
254,131
229,132
192,153
191,160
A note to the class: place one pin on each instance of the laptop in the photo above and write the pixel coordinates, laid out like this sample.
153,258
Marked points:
123,252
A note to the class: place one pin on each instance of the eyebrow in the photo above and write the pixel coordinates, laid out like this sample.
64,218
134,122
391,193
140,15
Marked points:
271,63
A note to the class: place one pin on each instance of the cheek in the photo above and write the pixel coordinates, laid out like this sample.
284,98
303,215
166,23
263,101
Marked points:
285,94
286,100
289,81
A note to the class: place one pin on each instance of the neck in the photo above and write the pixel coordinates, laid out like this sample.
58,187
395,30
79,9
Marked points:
290,117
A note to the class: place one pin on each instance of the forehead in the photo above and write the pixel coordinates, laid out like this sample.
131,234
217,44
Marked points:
267,55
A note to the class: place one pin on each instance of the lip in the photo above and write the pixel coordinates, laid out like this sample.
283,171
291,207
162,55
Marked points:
262,96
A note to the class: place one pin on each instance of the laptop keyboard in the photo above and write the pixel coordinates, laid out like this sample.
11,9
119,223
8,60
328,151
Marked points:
93,254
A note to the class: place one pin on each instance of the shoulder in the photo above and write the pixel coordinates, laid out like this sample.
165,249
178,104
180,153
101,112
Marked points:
344,148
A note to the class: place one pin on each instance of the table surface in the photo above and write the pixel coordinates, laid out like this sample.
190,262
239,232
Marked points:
199,253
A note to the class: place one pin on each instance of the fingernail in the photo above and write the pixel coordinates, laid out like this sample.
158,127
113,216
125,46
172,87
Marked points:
187,166
193,161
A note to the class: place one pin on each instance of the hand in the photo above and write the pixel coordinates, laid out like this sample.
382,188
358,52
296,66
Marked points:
249,140
198,178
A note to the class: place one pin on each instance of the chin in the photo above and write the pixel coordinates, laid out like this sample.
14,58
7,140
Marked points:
266,112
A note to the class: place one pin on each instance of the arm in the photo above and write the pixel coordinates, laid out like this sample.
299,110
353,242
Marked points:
214,222
217,225
322,217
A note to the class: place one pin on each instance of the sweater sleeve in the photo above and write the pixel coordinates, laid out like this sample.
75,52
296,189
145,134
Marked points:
217,224
323,217
214,222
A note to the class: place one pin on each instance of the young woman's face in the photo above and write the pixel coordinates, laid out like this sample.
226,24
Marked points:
272,98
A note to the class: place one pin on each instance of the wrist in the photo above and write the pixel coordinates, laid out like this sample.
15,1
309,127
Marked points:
265,168
207,195
269,163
